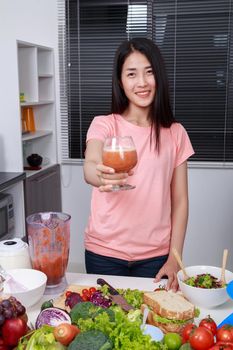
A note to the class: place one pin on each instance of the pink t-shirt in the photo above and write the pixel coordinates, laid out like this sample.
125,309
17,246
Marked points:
136,224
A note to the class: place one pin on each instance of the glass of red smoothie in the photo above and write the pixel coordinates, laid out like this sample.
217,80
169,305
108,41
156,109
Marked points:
119,153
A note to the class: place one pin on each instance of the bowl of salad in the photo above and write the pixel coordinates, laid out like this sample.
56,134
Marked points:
203,288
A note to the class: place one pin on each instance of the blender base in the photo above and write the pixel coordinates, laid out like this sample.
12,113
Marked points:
58,289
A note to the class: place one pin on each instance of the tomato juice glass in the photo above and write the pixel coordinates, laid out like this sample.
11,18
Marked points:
49,244
119,153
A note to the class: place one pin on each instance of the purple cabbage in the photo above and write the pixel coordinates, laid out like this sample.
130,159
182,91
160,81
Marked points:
98,299
52,316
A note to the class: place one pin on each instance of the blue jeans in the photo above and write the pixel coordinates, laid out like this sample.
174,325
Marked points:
104,265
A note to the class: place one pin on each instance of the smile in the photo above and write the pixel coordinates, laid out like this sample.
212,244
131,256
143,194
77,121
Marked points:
143,93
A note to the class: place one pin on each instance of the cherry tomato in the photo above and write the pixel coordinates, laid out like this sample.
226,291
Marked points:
85,298
188,328
160,288
85,291
201,338
68,293
64,333
92,290
220,345
86,294
225,333
209,323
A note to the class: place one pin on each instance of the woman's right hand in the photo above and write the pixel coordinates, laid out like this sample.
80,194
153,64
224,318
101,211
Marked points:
108,177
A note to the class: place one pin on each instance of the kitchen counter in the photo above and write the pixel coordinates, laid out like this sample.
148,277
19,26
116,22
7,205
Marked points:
218,314
10,178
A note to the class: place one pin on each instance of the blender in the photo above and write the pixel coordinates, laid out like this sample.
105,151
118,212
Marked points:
49,244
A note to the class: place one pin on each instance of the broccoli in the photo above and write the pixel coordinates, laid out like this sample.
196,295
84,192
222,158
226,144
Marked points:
91,340
87,310
82,310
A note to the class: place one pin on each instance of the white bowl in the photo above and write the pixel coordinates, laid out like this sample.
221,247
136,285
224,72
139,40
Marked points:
34,282
206,298
155,332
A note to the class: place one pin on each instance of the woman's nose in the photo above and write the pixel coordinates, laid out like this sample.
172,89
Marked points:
142,80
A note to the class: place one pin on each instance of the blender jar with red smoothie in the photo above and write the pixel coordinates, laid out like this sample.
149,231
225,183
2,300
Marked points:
49,243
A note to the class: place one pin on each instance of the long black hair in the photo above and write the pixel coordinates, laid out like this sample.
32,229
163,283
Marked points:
161,113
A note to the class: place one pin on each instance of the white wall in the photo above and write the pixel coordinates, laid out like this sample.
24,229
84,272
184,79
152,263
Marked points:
210,227
32,21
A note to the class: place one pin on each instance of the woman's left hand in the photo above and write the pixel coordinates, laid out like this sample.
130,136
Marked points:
170,270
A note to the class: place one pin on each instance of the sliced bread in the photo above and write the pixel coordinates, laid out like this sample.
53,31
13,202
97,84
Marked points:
169,304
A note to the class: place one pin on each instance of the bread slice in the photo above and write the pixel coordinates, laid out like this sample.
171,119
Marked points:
169,304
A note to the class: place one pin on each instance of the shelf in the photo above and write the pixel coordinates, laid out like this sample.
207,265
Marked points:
8,179
46,75
36,135
30,173
36,103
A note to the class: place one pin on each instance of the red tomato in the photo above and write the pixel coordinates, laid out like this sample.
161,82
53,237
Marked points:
209,323
85,291
186,331
220,345
86,294
64,333
225,333
68,293
12,330
92,290
201,339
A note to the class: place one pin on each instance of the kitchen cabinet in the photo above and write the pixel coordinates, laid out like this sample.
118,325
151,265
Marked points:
43,191
37,94
42,187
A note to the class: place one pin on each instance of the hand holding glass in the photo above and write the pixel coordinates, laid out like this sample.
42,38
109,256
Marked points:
120,154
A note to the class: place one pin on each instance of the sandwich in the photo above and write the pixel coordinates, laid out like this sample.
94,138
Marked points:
169,311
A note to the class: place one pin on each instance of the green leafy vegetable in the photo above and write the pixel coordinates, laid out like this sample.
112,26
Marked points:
133,296
40,339
165,320
196,312
124,333
204,280
135,315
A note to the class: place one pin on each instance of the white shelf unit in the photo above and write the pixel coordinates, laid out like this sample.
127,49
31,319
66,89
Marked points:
36,82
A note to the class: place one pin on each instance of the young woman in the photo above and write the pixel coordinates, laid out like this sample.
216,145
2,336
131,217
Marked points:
132,233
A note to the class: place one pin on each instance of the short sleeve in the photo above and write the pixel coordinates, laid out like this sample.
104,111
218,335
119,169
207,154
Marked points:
101,127
184,148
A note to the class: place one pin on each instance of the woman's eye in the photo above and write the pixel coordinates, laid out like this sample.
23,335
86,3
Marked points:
131,75
149,71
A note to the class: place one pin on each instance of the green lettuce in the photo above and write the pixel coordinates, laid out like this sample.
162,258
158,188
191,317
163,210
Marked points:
124,333
40,339
165,320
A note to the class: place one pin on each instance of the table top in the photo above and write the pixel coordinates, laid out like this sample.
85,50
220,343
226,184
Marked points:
218,314
8,179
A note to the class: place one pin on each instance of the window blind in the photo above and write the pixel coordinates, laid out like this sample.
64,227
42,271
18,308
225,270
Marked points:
196,40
